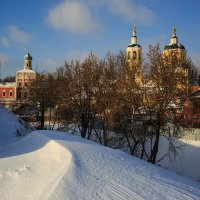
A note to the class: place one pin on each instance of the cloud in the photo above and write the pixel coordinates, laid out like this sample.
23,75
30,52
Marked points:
3,58
130,10
74,16
17,35
4,42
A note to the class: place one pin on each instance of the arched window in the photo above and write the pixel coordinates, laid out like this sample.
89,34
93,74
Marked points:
129,55
4,93
134,55
11,93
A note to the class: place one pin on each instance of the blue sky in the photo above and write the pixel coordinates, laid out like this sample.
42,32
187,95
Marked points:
58,30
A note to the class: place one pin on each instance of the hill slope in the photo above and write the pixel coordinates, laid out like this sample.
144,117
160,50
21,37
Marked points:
10,127
51,165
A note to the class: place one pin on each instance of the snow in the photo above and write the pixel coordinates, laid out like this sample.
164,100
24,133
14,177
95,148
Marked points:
10,126
8,84
27,70
57,166
187,161
53,165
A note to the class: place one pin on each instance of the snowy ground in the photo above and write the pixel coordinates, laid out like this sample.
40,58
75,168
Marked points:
10,126
52,165
187,161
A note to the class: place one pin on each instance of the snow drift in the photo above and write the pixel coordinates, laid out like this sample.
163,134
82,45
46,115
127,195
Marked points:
11,128
52,165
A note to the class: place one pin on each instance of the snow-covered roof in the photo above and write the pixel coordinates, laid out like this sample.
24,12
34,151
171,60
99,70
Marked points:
27,70
8,84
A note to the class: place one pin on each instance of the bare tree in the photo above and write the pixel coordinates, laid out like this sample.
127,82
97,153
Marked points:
79,82
165,86
42,96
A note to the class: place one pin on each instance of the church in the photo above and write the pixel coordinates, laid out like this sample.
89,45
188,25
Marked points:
134,54
18,91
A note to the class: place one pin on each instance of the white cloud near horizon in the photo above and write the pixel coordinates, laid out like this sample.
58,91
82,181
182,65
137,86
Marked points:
73,16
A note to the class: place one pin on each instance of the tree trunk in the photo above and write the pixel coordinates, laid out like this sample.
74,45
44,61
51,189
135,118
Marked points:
42,115
154,151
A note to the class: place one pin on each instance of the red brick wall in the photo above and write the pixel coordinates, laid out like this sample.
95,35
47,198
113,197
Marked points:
7,91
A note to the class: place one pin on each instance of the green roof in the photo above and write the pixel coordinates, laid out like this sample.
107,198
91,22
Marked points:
134,45
174,46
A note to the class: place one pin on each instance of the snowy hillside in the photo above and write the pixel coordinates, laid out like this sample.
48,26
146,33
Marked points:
10,127
52,165
187,161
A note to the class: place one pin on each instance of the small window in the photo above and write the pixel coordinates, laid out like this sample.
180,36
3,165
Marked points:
11,93
26,84
134,55
20,84
4,94
129,55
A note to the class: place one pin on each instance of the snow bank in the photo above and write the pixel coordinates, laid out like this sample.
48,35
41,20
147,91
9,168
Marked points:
51,165
10,127
32,168
187,160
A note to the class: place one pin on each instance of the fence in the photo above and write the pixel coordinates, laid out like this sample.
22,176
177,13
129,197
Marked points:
190,134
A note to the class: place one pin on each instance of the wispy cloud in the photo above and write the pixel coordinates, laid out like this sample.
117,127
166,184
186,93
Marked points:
4,42
73,16
131,10
13,35
17,35
3,58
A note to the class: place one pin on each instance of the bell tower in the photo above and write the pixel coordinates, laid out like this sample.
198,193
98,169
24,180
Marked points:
176,50
174,46
134,57
28,61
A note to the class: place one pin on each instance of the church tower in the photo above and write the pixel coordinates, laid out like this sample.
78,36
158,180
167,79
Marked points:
28,61
24,78
174,46
176,50
134,57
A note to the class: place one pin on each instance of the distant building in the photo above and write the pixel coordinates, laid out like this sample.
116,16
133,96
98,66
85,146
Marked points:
8,92
191,118
24,78
19,90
